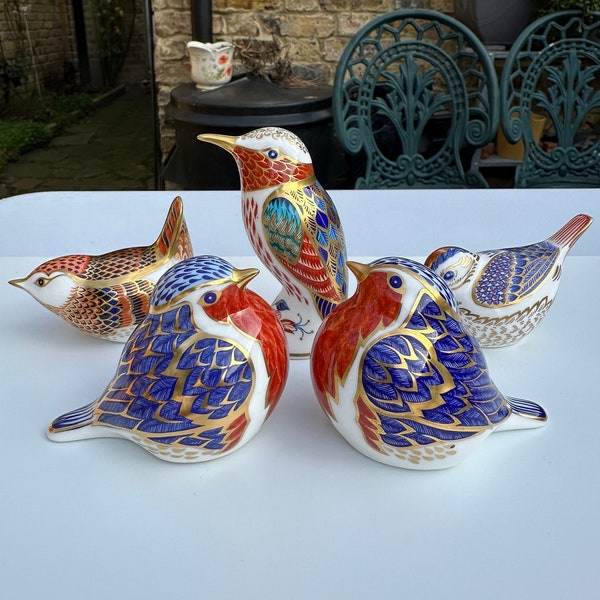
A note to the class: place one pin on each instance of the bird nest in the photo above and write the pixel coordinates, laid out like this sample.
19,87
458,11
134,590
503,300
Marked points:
268,59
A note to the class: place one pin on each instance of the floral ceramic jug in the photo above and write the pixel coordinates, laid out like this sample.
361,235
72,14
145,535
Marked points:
210,63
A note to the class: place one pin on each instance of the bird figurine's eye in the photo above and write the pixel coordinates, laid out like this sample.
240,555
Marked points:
449,275
41,281
282,305
272,153
209,298
395,282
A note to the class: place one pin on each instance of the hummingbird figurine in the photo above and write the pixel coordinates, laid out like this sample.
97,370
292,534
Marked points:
400,377
107,295
199,375
293,226
503,294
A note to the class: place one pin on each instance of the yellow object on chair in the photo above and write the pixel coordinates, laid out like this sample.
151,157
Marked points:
515,151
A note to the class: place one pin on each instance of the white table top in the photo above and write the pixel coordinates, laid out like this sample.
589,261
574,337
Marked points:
379,222
297,513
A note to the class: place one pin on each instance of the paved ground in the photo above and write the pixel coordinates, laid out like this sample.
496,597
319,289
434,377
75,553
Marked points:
112,149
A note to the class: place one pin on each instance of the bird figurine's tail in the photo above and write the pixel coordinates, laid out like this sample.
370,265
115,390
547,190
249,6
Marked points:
72,425
568,234
525,414
174,234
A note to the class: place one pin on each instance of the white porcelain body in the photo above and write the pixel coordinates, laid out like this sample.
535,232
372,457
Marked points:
211,64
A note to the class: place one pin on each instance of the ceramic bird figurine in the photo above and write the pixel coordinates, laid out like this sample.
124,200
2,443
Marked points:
199,376
293,227
108,295
400,377
503,294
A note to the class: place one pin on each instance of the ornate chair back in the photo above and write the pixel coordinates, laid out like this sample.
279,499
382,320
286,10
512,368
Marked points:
553,69
415,95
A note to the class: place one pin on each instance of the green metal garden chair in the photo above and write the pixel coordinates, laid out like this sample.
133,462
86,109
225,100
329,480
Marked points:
415,94
553,69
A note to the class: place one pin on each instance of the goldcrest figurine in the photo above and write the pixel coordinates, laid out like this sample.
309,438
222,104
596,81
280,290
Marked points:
503,294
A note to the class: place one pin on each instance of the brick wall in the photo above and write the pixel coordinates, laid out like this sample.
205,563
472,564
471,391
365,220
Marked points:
314,33
45,23
50,25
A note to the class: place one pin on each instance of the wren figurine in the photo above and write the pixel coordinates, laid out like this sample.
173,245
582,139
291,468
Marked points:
293,227
199,375
400,377
107,295
503,294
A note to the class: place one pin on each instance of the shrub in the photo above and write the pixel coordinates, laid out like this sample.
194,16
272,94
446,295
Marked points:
17,137
55,108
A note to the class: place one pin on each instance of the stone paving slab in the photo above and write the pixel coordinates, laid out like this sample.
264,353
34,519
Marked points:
112,149
74,139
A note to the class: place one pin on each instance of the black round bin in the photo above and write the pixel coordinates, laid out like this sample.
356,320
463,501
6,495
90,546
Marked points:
236,108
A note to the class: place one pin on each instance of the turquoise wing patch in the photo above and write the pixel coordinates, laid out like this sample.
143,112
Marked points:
283,228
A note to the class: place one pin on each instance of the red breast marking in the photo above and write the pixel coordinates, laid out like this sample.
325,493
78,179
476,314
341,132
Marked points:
345,327
253,316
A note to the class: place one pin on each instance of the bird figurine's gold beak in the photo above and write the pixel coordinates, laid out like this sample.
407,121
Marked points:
17,282
242,277
360,270
225,141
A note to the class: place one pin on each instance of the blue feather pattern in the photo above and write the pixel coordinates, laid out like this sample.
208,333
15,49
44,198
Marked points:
184,276
514,273
214,376
174,384
422,397
75,418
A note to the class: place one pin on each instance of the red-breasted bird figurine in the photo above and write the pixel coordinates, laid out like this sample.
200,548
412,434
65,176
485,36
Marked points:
400,377
199,375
